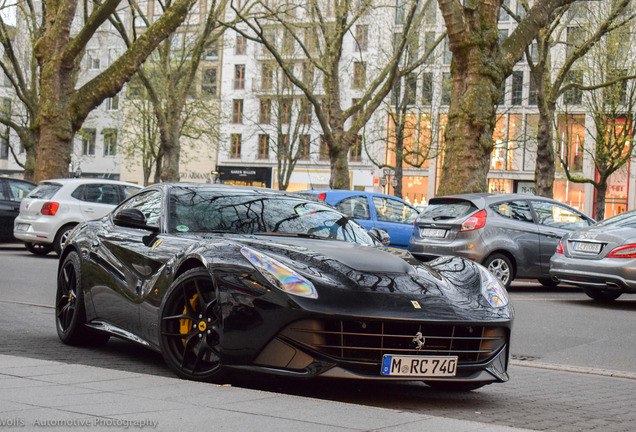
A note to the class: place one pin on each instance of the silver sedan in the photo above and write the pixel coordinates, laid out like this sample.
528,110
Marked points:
601,258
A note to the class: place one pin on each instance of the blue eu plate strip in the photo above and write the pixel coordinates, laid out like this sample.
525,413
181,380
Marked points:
386,364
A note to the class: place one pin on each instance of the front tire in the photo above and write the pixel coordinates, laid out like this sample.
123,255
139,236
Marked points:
191,327
500,266
38,248
70,312
602,295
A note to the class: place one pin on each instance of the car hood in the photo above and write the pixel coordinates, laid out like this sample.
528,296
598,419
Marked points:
374,281
610,237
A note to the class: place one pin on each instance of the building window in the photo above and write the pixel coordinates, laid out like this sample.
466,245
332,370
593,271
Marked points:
361,38
112,104
532,92
359,75
208,83
263,146
304,116
267,77
110,141
237,111
575,37
283,145
517,88
448,55
5,108
212,51
410,91
427,88
285,107
400,12
355,152
323,154
286,83
113,54
239,77
235,146
240,44
356,114
446,88
429,41
92,59
304,143
265,112
88,141
4,144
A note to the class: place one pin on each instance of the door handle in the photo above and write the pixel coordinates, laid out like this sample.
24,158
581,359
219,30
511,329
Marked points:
552,234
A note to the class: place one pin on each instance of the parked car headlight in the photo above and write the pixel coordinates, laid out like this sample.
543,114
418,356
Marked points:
492,289
279,275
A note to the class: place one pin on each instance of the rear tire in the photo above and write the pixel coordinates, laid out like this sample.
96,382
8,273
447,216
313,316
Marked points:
38,248
454,386
500,266
602,295
70,312
548,283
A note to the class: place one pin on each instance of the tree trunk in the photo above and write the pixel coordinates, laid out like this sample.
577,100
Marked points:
171,148
158,164
545,168
31,154
471,122
601,191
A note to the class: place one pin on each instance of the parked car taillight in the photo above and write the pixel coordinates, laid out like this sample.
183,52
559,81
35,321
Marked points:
49,208
476,221
559,248
627,251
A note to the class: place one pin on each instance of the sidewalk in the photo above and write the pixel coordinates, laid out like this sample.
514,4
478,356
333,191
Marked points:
37,394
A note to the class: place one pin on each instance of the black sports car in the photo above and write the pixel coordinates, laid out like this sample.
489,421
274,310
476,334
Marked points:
223,279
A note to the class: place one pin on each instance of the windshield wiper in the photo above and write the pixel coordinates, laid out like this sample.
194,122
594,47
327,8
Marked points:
284,234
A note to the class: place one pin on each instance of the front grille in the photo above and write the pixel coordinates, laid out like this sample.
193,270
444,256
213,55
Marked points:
367,341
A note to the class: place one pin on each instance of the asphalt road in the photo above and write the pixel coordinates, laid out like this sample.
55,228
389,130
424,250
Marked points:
555,333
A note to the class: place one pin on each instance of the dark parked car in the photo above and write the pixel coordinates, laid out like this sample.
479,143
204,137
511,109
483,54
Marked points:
513,235
600,258
374,210
11,193
232,279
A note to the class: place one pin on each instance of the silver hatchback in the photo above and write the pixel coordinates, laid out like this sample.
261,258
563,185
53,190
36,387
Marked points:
601,259
513,235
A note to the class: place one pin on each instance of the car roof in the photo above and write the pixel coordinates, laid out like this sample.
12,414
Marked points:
78,181
347,192
491,197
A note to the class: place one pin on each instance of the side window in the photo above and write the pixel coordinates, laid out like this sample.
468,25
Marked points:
356,207
3,196
149,203
91,193
19,190
110,194
518,210
555,215
391,210
129,190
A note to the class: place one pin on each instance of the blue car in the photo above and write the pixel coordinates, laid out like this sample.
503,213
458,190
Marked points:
374,210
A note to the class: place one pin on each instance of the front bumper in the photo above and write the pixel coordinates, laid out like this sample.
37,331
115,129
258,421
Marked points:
607,273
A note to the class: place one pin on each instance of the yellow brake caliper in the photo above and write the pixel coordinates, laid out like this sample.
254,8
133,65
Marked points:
185,325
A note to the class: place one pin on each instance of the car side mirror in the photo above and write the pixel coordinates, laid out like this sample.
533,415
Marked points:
380,235
132,218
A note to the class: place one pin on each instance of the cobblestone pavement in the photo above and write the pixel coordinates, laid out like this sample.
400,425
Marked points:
536,398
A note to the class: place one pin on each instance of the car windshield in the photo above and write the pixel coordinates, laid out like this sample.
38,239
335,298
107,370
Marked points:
627,219
201,209
44,191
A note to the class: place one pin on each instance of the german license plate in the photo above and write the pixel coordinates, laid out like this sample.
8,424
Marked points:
587,247
433,232
22,227
419,366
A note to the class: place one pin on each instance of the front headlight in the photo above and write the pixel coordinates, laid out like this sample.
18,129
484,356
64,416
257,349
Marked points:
492,289
279,275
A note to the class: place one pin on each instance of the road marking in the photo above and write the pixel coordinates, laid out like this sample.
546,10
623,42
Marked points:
576,369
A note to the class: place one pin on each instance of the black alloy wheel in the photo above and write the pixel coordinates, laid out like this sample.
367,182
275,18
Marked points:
38,248
602,295
191,327
70,313
61,237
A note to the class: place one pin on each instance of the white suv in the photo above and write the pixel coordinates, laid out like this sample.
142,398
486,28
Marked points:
50,212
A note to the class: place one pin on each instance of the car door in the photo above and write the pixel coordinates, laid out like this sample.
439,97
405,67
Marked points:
396,218
554,220
124,265
11,194
513,229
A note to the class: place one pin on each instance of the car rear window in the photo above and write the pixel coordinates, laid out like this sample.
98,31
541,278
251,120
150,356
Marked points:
447,209
44,191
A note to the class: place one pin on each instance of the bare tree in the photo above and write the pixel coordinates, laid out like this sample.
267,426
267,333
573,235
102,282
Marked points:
480,65
610,99
321,30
